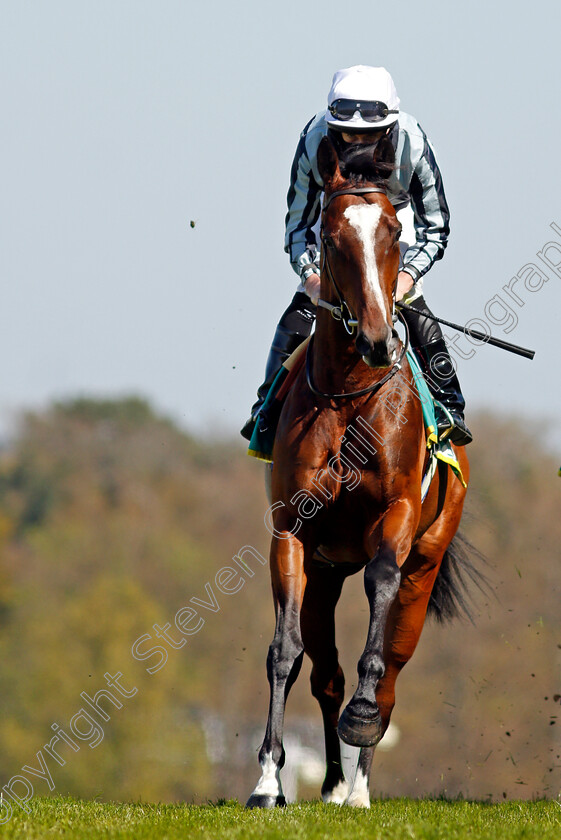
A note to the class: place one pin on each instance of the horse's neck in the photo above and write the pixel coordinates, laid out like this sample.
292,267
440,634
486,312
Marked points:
336,364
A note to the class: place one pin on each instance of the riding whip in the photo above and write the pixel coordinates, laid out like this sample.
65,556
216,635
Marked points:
483,337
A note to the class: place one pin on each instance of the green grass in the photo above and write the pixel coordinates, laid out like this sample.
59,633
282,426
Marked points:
392,819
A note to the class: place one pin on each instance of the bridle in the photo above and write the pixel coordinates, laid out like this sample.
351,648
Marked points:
338,311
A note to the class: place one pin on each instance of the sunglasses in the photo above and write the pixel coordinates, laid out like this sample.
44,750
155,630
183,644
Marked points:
345,109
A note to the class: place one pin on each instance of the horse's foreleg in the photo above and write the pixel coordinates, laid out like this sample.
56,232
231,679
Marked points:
402,632
283,664
323,589
405,623
408,612
361,724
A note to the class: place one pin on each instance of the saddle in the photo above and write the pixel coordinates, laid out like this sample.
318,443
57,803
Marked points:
263,437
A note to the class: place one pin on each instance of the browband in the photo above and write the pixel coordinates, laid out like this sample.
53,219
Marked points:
351,191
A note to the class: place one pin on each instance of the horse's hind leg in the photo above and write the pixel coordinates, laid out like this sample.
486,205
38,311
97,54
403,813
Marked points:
359,796
317,620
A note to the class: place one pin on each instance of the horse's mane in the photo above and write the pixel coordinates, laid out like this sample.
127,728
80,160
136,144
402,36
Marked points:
366,164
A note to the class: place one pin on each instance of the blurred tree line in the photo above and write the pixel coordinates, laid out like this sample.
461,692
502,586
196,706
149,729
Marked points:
112,519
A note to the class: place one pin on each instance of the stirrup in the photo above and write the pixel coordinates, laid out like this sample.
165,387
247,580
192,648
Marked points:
450,426
260,417
247,429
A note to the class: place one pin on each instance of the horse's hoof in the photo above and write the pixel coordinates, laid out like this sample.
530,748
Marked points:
336,794
260,800
359,732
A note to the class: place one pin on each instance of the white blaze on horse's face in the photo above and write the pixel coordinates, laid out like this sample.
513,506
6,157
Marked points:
364,218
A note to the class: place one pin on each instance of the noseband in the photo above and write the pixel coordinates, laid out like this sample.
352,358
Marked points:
337,312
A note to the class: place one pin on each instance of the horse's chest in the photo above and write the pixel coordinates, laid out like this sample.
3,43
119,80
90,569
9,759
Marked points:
338,486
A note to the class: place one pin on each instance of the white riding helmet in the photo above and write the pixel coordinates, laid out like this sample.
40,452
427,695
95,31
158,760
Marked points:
362,99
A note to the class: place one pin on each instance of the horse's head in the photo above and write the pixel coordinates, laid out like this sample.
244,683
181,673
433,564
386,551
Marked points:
360,242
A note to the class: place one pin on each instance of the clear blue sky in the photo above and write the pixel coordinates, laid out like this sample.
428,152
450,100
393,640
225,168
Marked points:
124,120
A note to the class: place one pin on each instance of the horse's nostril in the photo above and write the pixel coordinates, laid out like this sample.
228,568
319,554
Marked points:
362,344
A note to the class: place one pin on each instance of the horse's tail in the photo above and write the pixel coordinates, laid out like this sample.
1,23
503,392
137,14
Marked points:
459,572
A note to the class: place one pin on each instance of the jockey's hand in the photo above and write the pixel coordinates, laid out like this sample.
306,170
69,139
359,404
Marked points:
311,287
404,284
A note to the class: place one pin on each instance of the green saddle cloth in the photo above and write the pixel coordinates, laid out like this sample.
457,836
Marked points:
426,398
263,437
439,450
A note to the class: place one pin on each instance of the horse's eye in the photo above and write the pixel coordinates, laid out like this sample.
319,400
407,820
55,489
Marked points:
328,241
398,233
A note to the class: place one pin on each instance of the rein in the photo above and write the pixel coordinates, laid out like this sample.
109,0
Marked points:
337,312
370,388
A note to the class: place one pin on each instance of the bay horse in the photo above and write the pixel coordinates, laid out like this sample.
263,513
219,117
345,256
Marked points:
348,463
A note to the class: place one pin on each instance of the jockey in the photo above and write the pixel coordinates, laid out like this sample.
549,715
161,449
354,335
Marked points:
363,106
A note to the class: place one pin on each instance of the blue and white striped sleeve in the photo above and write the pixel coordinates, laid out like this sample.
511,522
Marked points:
304,204
431,214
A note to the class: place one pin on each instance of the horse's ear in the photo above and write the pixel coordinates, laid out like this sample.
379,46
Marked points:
384,157
328,162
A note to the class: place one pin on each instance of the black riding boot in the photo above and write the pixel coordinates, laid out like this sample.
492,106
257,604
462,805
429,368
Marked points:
294,326
432,353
